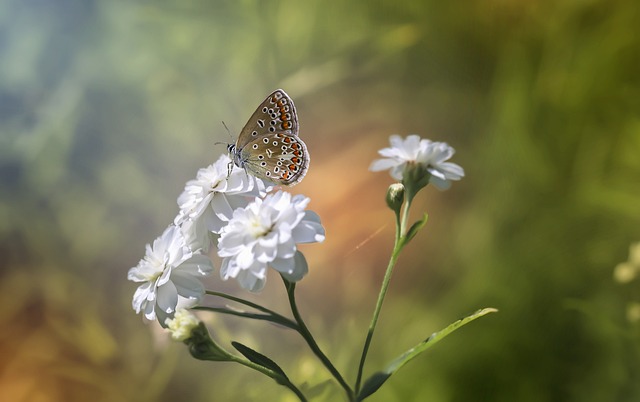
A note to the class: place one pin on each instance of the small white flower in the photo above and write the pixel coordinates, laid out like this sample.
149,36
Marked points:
416,151
169,271
181,325
209,200
265,233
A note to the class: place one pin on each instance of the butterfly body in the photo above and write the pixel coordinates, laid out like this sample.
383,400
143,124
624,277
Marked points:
268,146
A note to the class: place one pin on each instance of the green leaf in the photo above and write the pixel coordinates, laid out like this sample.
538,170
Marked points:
260,359
374,382
413,230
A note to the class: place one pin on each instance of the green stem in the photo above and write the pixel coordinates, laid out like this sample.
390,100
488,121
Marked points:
241,301
285,322
270,373
405,216
376,313
401,228
279,318
306,334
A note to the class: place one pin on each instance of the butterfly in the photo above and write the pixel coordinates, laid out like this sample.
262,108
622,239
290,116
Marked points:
268,146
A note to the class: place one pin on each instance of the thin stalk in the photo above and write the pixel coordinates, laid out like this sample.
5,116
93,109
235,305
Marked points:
376,313
285,322
306,334
242,301
401,228
405,215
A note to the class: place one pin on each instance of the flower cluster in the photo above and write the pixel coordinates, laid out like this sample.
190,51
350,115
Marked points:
252,230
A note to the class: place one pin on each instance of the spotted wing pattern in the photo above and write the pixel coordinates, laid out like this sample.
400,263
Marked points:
281,158
268,146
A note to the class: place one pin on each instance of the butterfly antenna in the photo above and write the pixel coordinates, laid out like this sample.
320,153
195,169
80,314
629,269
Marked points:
228,132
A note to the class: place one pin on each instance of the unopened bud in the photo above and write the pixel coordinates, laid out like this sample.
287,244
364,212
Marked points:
395,197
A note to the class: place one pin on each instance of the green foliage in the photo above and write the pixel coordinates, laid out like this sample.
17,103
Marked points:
373,383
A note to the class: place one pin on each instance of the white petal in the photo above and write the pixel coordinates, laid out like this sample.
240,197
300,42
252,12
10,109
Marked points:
283,265
397,171
140,296
220,206
300,268
396,141
245,258
187,285
198,264
266,248
411,143
149,311
440,183
167,297
308,232
286,250
311,216
228,269
135,274
382,164
435,173
284,232
451,170
249,281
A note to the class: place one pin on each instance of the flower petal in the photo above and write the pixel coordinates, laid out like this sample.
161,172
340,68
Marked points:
198,264
284,265
248,280
300,268
167,297
382,164
308,231
187,285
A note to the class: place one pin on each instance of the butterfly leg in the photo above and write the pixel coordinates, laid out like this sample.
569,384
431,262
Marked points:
229,169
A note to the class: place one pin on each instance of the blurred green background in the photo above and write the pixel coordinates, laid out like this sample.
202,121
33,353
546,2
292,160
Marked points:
108,107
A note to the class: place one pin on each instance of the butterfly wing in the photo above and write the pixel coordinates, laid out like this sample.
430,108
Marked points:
280,157
276,114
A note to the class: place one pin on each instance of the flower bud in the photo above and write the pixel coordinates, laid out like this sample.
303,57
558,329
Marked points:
202,347
395,197
181,325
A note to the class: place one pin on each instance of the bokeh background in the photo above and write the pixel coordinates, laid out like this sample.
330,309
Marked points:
108,107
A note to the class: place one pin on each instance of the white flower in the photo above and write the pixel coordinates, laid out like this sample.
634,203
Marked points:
181,325
169,271
416,151
264,234
209,200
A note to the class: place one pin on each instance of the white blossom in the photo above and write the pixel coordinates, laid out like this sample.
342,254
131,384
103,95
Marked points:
207,203
169,272
414,151
265,233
